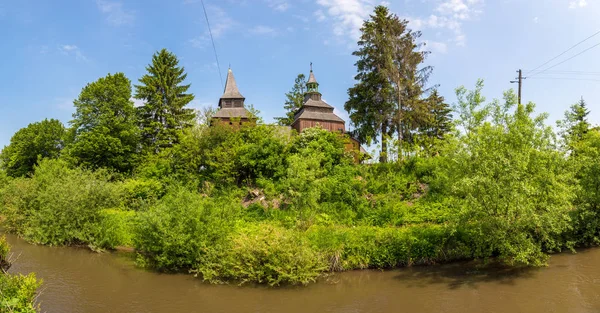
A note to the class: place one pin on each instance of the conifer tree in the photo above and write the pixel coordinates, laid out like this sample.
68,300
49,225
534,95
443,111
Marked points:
295,99
440,116
575,124
164,114
386,98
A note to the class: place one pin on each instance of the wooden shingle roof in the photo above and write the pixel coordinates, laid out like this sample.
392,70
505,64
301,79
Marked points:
231,89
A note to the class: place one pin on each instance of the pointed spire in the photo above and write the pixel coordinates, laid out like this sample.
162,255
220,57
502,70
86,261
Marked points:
311,78
231,89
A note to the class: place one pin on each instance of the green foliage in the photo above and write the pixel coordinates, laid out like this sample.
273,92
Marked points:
59,205
164,113
17,292
575,124
182,228
262,253
115,228
387,96
515,187
294,100
38,140
585,161
104,124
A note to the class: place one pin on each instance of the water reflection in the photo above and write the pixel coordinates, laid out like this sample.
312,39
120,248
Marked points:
77,280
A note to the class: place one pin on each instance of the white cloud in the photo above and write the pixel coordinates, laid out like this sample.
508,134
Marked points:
320,15
278,5
137,102
450,15
573,4
221,23
73,50
347,15
116,15
436,46
536,19
263,30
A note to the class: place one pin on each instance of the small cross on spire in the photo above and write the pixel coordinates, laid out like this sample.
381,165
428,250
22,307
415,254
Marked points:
311,66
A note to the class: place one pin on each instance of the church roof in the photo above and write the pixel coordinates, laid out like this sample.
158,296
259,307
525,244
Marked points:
231,89
232,113
316,115
316,103
311,78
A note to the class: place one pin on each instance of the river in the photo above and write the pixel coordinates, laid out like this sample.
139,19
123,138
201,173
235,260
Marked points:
77,280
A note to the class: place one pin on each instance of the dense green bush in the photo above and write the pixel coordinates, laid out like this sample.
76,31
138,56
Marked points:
177,233
59,205
17,291
515,188
263,253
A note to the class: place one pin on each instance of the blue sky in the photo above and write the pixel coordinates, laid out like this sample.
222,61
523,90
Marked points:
53,48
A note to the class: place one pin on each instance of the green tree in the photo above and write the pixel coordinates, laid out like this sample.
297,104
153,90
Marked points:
164,114
294,100
575,124
390,82
513,187
104,125
408,79
439,120
43,139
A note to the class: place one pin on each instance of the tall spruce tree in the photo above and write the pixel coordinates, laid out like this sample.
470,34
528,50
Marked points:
294,100
575,124
164,114
104,126
439,121
386,98
371,102
409,78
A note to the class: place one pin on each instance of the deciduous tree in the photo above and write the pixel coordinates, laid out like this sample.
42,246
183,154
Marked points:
104,125
43,139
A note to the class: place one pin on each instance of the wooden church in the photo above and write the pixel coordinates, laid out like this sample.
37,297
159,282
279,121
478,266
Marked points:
231,105
314,111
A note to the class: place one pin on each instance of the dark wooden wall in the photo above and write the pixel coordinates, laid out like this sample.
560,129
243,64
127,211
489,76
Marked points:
330,126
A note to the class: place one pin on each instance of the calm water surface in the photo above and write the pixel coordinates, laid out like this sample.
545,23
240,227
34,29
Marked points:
77,280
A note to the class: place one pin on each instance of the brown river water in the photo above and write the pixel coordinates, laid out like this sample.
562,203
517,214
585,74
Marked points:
77,280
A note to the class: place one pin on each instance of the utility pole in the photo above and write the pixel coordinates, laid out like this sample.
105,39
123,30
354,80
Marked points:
520,82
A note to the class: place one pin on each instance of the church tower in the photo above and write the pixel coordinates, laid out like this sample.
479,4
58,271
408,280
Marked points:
315,111
231,104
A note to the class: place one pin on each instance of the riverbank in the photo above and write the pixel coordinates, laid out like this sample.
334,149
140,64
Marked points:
77,280
248,205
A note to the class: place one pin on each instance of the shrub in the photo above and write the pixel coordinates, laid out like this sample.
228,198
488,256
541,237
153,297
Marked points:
59,205
263,253
179,230
17,291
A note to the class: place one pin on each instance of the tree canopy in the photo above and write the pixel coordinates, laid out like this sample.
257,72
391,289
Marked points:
387,97
294,100
104,126
43,139
164,114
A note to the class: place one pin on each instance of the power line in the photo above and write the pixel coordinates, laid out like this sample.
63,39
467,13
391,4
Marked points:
571,73
567,78
578,54
563,53
213,43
